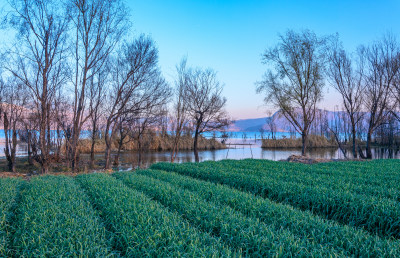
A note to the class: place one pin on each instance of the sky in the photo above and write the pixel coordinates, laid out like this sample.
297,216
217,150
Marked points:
230,37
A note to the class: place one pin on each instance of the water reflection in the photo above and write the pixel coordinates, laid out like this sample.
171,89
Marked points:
252,149
129,160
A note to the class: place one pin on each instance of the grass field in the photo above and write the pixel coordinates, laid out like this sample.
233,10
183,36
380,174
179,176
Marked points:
229,208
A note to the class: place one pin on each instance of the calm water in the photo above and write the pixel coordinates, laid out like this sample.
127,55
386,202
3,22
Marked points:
251,149
129,160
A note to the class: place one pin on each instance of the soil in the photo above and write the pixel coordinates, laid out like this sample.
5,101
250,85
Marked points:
309,160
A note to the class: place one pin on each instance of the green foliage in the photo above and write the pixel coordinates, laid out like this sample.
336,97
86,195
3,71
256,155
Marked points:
250,235
55,218
239,208
376,214
302,224
8,193
374,178
143,227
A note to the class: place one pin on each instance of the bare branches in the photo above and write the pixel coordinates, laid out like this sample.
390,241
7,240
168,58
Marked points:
136,85
347,78
98,27
382,66
39,60
202,101
296,86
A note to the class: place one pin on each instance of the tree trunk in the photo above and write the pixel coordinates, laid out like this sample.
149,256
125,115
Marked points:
92,154
7,149
13,149
354,141
107,155
30,161
303,143
140,152
368,150
93,144
175,147
360,151
107,139
116,159
42,141
195,143
73,155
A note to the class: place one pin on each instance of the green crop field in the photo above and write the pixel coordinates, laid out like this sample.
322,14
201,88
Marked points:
229,208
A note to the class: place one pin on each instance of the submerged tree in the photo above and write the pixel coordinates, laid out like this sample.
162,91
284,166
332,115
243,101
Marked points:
347,78
382,64
134,67
295,87
204,103
179,118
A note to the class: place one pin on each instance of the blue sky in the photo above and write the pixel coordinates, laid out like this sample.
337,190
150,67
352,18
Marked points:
230,36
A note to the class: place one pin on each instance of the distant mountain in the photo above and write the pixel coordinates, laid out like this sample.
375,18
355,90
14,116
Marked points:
281,123
255,124
248,125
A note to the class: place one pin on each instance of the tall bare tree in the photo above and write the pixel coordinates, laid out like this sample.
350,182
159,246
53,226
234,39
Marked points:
296,85
205,103
382,64
39,59
96,97
347,78
179,116
149,111
136,64
98,26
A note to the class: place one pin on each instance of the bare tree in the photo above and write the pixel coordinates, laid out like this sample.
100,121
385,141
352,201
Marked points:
147,115
15,99
381,67
296,86
205,104
336,127
271,125
39,59
96,97
150,106
98,27
179,119
135,65
123,133
348,81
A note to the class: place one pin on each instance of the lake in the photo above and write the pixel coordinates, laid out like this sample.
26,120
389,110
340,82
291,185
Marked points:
251,149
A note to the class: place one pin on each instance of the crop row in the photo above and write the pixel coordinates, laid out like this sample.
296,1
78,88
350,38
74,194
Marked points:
55,218
380,216
379,172
142,227
378,186
387,167
302,224
247,234
8,193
